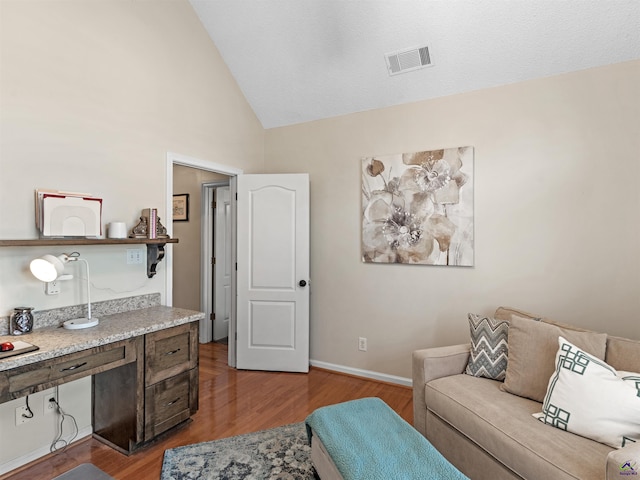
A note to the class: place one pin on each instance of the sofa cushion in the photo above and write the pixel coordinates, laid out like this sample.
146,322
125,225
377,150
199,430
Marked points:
532,351
503,425
488,355
588,397
623,354
507,313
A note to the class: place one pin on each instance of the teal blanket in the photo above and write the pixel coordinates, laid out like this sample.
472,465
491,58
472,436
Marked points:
367,440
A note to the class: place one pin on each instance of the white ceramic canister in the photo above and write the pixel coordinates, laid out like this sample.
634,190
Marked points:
117,230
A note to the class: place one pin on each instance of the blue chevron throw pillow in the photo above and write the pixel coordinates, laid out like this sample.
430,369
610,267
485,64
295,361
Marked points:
489,349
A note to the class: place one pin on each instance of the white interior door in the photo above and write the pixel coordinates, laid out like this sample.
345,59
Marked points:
272,310
222,263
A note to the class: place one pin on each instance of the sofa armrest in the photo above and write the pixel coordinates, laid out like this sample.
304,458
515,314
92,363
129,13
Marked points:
623,461
429,364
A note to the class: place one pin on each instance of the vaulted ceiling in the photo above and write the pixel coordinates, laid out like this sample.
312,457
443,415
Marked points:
303,60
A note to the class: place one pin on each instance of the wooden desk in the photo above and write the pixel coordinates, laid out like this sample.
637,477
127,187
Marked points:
144,365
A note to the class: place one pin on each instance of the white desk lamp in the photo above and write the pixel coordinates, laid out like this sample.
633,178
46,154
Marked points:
49,268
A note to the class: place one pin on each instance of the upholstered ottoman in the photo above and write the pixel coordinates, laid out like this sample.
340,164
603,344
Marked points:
366,440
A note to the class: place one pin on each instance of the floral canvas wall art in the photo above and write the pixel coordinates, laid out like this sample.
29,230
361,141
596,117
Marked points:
417,208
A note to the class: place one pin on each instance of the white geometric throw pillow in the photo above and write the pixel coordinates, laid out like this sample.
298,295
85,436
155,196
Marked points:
589,398
489,349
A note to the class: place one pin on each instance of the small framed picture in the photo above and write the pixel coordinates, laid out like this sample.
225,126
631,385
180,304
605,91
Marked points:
181,207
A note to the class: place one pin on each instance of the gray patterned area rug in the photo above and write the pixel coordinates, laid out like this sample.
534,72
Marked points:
279,453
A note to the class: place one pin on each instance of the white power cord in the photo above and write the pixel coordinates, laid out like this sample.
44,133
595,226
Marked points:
59,444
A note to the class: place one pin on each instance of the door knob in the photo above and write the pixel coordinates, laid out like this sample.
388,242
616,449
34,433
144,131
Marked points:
302,283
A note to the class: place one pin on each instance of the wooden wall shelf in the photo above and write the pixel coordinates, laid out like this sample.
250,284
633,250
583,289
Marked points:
84,241
155,247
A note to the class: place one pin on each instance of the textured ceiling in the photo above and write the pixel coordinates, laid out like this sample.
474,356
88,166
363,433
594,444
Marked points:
303,60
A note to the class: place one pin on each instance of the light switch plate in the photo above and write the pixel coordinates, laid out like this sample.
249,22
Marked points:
134,256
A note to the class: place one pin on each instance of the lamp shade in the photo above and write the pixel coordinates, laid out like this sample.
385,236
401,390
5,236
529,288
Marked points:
47,268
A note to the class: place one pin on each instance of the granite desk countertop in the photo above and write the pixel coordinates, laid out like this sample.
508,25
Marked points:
58,341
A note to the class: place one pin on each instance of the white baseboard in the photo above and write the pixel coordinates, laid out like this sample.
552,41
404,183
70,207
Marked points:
39,453
383,377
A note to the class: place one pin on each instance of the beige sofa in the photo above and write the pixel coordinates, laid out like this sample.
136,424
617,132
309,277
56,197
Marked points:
490,434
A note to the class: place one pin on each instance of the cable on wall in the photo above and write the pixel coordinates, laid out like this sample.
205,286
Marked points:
29,413
59,445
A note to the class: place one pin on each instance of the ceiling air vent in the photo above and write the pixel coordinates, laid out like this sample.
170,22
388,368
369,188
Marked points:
408,60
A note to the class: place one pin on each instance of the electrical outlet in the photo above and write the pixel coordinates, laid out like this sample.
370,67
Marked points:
52,288
134,256
49,403
362,344
20,418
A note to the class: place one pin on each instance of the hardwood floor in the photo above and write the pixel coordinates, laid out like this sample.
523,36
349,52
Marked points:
232,402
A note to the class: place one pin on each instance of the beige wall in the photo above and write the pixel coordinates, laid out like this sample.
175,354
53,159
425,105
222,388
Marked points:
186,253
557,162
93,94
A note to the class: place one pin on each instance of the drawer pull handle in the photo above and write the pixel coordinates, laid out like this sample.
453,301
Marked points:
74,367
172,352
171,403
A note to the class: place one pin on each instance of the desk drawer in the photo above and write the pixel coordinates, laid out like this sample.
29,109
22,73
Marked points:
49,373
170,352
167,403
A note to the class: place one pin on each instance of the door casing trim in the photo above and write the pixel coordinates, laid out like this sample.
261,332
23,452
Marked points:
187,161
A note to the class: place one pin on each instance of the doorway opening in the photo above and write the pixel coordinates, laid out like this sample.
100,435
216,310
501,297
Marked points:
269,226
216,262
190,273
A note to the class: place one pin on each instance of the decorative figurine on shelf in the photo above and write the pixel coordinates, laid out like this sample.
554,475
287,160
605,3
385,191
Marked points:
141,229
161,230
147,227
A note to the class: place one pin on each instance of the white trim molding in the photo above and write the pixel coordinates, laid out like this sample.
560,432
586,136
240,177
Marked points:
179,159
39,453
357,372
202,164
